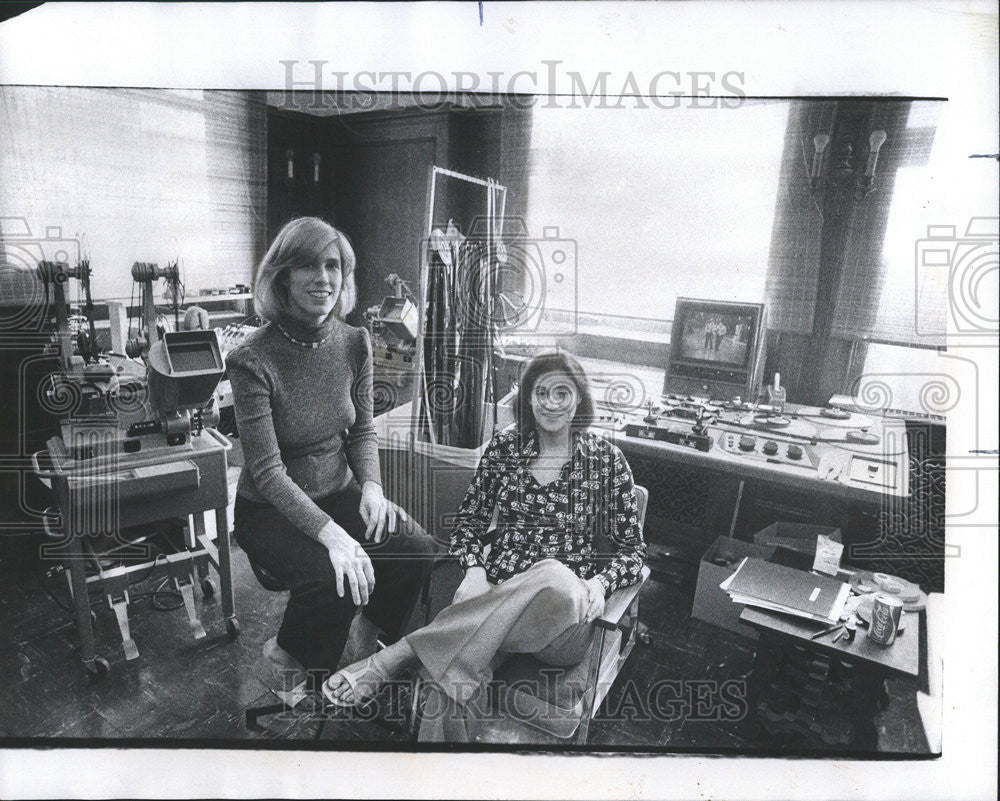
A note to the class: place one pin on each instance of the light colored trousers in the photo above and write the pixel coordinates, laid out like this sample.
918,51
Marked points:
540,611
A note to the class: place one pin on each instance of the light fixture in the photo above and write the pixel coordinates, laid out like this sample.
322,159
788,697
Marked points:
844,174
875,142
290,158
316,160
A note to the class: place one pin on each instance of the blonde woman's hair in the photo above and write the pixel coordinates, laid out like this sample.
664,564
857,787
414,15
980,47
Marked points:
301,242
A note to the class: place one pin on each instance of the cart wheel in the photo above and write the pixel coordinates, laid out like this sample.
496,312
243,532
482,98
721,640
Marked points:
233,628
208,587
97,668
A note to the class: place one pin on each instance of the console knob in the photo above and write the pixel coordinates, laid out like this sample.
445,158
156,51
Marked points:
770,447
747,443
794,451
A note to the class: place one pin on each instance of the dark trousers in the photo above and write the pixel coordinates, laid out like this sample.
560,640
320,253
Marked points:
316,621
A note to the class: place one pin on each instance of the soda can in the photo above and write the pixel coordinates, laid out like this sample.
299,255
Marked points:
886,611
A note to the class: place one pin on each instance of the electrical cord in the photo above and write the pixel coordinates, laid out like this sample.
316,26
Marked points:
154,595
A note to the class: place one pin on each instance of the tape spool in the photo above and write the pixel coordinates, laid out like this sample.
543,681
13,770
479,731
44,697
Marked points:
861,438
894,585
835,414
864,583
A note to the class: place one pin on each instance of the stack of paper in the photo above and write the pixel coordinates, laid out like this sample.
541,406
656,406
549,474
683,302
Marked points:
784,589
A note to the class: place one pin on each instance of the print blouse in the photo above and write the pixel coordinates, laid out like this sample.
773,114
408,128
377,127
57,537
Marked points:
587,518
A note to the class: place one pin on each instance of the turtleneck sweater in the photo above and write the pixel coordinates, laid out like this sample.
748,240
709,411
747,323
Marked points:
303,401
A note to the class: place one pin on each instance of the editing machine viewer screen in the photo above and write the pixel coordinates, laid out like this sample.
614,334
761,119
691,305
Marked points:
193,357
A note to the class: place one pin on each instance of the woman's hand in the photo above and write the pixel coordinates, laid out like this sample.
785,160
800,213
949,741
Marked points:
595,599
378,513
473,584
349,562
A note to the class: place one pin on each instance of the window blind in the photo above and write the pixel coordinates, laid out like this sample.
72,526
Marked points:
129,175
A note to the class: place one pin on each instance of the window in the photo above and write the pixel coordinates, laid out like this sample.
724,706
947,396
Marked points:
125,175
660,202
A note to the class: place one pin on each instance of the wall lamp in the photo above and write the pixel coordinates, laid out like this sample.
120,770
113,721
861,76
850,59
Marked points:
845,173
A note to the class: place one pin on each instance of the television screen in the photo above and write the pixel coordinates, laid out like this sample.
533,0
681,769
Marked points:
716,348
717,336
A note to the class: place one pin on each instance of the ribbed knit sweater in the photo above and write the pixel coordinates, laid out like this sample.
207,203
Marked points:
304,416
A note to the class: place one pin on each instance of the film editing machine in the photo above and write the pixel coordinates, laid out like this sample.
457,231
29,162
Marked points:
714,414
137,446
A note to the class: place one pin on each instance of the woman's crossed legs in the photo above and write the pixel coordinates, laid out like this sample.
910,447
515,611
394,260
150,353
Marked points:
541,611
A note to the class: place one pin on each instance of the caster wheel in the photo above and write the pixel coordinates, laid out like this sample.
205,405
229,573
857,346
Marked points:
233,628
208,587
642,634
97,668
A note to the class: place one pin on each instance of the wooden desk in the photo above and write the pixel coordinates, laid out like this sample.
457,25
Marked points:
902,657
821,694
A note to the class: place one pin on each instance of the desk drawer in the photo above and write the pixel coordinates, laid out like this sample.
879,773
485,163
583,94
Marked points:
143,482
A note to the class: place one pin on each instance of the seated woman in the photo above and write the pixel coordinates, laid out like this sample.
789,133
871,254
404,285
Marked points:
309,507
555,488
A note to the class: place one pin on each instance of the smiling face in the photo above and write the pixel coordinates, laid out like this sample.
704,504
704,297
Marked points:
554,400
313,289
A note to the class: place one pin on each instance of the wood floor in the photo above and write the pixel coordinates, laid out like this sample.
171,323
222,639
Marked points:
181,690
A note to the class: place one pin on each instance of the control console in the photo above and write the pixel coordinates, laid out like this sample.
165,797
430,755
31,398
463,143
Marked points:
769,449
673,433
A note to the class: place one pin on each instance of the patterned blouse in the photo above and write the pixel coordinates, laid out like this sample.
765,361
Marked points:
587,518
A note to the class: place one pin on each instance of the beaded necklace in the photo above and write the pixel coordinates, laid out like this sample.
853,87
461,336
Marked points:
305,343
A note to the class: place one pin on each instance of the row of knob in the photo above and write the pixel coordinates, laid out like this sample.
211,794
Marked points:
770,447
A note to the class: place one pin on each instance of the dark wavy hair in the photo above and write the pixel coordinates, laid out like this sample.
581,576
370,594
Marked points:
557,362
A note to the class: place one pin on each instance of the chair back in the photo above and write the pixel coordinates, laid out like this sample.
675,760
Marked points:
641,499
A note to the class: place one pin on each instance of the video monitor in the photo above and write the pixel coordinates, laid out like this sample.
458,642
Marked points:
716,348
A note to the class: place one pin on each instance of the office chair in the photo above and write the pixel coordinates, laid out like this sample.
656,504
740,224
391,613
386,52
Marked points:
252,714
562,701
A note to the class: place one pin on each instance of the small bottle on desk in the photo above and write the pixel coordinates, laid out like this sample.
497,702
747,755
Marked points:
776,394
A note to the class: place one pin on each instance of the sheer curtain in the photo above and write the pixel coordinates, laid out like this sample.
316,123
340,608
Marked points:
659,203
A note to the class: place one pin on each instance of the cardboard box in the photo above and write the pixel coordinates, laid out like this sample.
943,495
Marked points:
713,605
799,537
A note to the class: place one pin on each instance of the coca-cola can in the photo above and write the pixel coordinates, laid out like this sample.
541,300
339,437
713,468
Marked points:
886,611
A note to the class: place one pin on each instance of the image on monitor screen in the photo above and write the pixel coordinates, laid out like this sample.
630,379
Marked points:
721,337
